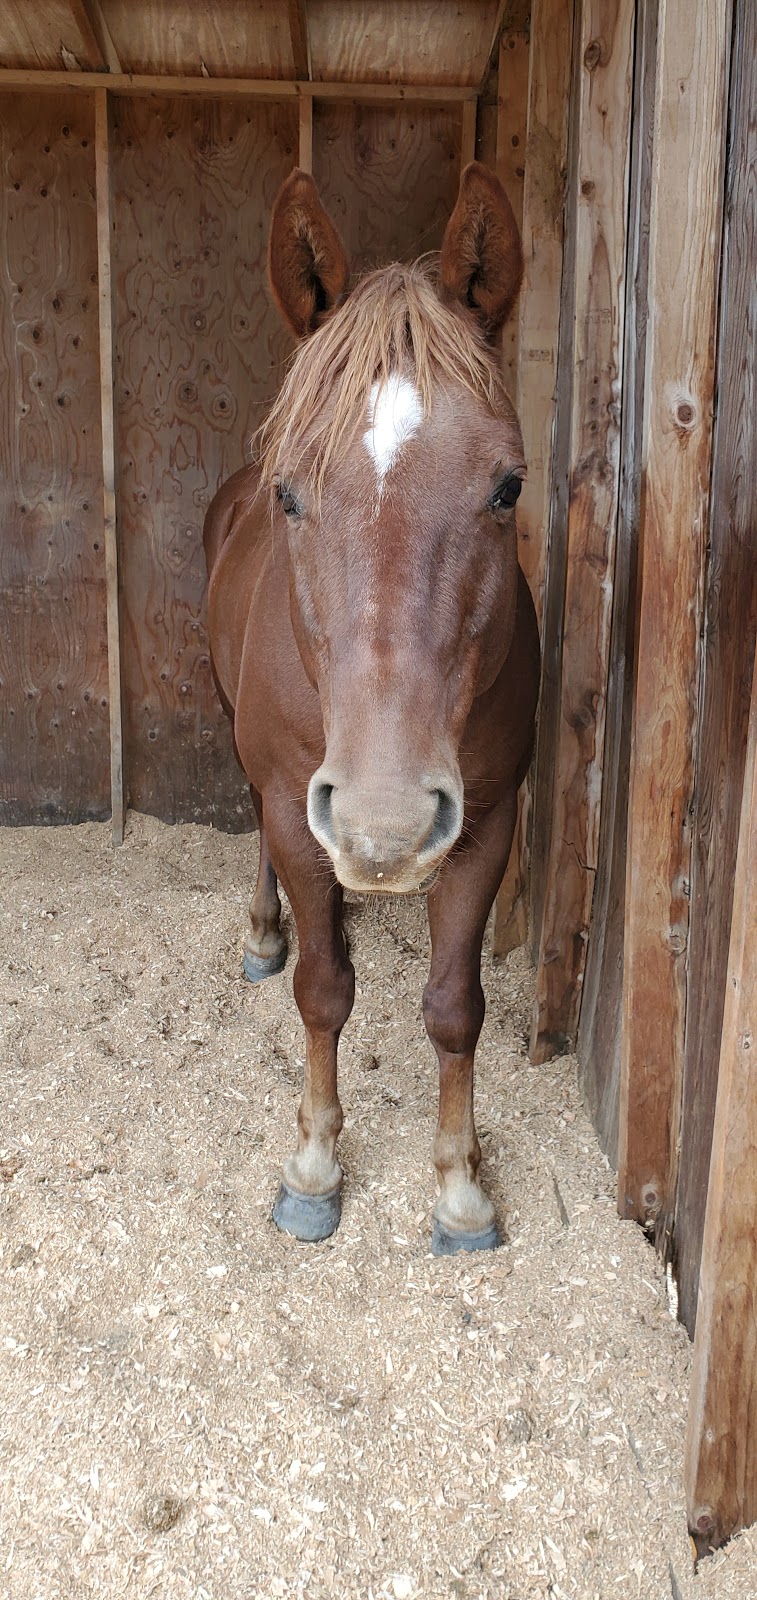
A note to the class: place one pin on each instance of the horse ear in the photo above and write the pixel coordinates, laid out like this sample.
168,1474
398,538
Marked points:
482,259
307,264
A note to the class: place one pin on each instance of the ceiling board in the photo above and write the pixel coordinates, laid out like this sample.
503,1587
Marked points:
51,34
229,38
396,41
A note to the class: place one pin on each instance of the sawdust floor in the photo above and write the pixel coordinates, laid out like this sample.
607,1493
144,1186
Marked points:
194,1405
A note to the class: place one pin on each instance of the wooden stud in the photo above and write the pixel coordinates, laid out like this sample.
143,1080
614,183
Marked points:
572,718
721,1445
685,230
254,88
305,157
105,294
468,135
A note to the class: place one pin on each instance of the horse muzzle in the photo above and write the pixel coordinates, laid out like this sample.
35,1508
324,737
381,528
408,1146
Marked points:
388,840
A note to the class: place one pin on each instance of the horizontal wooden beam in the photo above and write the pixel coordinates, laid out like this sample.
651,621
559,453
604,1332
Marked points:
254,88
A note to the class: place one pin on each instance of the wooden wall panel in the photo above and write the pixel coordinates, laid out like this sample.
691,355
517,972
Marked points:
729,641
535,345
388,175
601,1005
685,231
240,39
383,41
53,667
721,1446
199,353
572,716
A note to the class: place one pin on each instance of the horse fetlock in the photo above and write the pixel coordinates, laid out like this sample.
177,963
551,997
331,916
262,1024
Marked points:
462,1204
313,1169
264,940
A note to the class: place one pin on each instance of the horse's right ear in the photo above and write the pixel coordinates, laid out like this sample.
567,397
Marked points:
307,264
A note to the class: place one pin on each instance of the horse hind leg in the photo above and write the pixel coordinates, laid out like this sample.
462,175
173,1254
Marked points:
265,948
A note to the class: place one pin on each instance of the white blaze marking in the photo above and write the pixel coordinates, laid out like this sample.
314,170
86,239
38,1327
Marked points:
395,413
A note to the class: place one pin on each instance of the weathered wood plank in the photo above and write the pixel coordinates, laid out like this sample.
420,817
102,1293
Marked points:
728,648
107,424
200,352
721,1445
571,737
298,31
51,35
53,662
601,1006
101,31
685,229
511,912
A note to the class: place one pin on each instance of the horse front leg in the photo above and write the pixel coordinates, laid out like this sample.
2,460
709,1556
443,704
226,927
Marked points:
308,1203
265,948
453,1010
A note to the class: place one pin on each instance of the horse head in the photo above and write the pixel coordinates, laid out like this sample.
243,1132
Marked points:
394,457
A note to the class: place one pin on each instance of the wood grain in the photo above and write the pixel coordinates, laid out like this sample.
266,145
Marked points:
511,912
685,230
388,176
730,627
721,1445
200,353
24,79
599,1035
53,664
572,719
430,41
242,38
35,33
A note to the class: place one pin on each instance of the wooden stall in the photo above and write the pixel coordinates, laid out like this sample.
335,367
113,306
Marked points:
142,147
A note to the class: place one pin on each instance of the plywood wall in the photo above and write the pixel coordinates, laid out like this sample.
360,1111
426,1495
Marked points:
54,745
388,175
199,354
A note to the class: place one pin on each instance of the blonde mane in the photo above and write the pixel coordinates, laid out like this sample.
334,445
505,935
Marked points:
392,322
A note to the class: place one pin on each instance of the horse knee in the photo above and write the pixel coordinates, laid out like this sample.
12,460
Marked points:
454,1014
324,989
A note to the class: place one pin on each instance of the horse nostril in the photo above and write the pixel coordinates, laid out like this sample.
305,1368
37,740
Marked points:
447,823
319,811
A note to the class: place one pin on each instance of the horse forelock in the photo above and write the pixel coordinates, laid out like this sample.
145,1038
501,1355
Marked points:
392,327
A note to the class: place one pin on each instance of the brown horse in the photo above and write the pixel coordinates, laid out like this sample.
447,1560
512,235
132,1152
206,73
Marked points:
376,646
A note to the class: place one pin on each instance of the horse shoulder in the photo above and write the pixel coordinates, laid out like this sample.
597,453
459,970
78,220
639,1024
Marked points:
236,523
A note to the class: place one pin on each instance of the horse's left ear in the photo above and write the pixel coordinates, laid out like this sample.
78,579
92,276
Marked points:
482,259
307,264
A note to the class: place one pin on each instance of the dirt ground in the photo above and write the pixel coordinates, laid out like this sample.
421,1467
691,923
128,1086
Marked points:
193,1405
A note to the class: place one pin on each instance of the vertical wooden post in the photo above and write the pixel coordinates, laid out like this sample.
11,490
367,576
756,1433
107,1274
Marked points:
105,295
511,914
305,156
534,345
685,230
582,550
468,134
721,1445
728,640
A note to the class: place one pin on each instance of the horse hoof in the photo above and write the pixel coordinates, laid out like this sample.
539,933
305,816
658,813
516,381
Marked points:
309,1217
256,968
448,1241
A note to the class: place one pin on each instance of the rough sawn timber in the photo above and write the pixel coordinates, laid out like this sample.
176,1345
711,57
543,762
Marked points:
685,231
582,550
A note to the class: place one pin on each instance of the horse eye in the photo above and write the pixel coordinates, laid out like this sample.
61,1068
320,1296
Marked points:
289,503
507,493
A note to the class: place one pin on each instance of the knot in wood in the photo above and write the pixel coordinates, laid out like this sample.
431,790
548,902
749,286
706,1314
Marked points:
592,55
